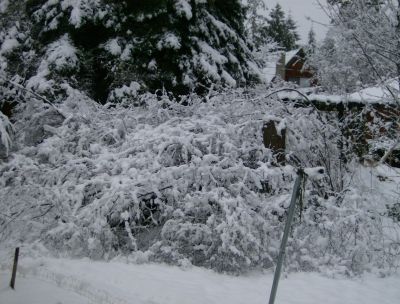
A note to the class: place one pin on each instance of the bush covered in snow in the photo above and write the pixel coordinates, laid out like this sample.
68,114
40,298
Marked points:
190,184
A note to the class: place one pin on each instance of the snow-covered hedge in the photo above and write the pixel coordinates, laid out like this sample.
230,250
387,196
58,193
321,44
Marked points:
187,184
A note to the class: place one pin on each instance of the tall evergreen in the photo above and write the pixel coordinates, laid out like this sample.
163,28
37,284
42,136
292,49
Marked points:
177,45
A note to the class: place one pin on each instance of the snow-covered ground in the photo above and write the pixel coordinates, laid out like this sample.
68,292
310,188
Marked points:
35,291
56,281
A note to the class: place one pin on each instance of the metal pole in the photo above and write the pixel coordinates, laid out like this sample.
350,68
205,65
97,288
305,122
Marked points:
14,270
296,191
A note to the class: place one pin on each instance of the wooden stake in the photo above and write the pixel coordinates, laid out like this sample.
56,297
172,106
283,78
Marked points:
14,270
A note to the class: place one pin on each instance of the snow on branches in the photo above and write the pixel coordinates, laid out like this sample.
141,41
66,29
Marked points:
190,183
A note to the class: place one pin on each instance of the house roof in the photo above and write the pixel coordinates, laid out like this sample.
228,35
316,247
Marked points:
289,55
293,56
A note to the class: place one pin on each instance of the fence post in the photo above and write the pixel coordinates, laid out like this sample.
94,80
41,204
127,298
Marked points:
295,195
14,270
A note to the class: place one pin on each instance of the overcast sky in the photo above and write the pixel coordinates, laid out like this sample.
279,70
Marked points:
300,10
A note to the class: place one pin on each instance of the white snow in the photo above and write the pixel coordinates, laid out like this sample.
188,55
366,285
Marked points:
126,54
36,291
8,46
170,41
209,68
228,78
315,173
281,126
216,56
183,8
224,30
289,55
152,65
5,130
62,54
4,5
125,92
113,47
9,41
269,72
379,94
54,281
125,215
76,14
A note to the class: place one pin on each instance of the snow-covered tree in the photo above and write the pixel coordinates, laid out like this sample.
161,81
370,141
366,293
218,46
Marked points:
101,46
361,47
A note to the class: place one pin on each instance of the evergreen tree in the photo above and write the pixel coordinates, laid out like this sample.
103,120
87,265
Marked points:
292,35
102,46
282,29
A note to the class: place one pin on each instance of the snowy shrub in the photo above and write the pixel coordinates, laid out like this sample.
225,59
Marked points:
190,183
